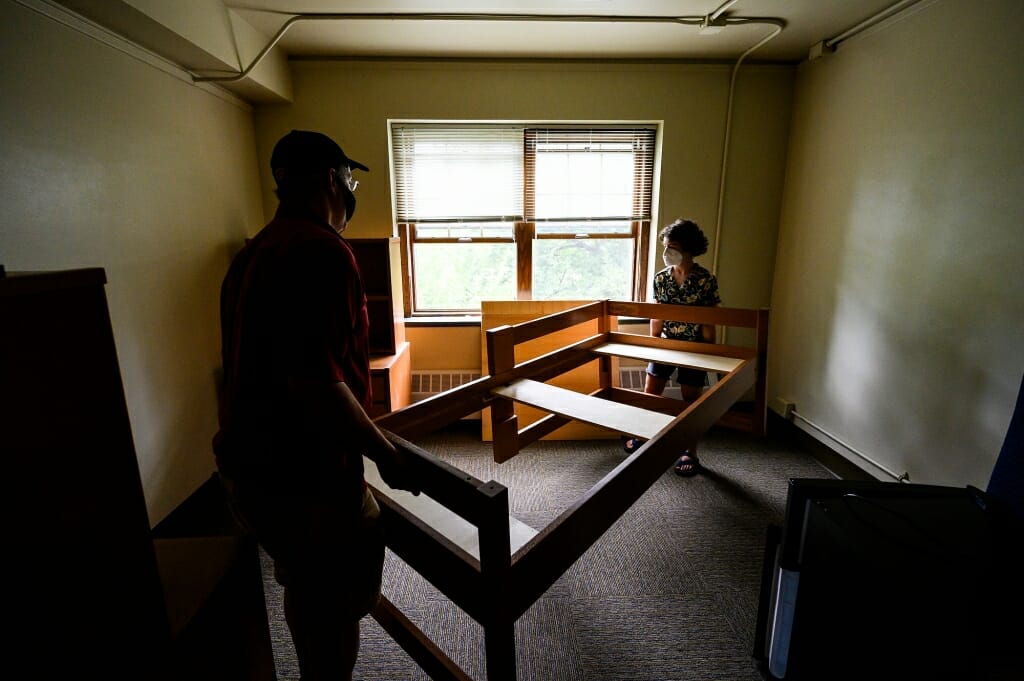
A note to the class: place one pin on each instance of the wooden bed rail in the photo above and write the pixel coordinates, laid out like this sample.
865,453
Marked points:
685,346
538,564
432,533
459,535
509,438
698,314
542,326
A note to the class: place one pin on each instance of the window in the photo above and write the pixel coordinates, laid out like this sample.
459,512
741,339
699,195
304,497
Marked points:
499,212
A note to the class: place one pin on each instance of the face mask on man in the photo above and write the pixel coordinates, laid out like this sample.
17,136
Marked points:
672,257
350,202
348,185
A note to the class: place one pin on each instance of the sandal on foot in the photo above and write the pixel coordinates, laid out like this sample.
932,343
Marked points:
687,465
632,444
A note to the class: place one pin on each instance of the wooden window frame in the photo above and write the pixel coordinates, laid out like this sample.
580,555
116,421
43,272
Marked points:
525,232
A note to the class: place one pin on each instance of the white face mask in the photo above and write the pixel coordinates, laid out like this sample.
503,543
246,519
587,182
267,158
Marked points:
672,257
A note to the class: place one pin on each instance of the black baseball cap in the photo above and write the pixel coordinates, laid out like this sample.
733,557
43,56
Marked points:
303,151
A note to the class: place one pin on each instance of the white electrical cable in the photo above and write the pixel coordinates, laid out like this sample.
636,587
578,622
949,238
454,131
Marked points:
432,16
721,10
900,477
870,21
778,26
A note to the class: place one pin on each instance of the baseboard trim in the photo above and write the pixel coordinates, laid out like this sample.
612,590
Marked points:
837,464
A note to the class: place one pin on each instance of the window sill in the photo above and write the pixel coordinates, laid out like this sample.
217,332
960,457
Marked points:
463,320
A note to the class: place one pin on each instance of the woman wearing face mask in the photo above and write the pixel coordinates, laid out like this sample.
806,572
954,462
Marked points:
682,282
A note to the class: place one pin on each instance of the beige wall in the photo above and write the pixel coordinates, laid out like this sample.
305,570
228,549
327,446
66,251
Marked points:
352,101
106,161
898,299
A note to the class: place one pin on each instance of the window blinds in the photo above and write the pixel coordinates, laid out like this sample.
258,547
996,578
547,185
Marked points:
593,175
457,173
477,173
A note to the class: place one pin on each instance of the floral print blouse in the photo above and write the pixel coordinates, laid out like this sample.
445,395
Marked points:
700,288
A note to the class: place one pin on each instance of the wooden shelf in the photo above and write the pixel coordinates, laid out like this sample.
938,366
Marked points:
380,263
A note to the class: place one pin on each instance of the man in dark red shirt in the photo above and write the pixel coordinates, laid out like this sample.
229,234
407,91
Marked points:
293,422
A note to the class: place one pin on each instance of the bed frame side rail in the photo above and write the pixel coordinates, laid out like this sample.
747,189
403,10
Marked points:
548,555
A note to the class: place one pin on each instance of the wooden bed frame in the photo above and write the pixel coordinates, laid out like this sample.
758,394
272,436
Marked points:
458,533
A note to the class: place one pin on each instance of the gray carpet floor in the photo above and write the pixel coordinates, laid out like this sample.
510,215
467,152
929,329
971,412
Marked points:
669,592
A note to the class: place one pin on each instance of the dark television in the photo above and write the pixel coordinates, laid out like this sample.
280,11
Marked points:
875,580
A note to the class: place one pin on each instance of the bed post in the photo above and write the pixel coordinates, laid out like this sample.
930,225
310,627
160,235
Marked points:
495,568
605,362
501,357
759,419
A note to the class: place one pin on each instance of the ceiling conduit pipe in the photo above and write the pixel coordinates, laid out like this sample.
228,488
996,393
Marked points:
255,62
433,16
712,19
721,10
778,25
833,43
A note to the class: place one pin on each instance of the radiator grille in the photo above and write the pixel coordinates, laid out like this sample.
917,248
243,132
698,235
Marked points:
632,377
427,383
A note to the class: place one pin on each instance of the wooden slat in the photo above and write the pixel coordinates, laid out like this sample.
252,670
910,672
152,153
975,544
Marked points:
460,532
619,417
691,360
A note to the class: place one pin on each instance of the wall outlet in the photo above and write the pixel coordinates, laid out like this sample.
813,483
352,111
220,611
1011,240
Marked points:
783,407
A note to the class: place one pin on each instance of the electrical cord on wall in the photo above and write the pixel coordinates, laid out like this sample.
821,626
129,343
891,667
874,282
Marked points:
899,477
778,25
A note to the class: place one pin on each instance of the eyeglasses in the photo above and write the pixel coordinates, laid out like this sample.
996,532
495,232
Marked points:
344,176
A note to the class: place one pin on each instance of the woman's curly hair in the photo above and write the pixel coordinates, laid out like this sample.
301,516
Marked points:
688,235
